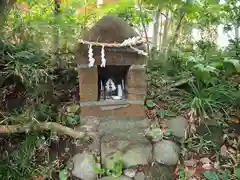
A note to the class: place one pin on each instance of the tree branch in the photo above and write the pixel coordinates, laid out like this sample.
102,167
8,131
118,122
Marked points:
19,128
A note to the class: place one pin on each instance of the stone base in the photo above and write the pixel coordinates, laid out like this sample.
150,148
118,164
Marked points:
113,108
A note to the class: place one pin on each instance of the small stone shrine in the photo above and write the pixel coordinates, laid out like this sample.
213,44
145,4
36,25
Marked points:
111,64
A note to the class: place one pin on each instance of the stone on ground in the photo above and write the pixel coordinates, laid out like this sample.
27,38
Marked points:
127,136
137,154
177,125
112,178
139,176
83,166
166,152
130,172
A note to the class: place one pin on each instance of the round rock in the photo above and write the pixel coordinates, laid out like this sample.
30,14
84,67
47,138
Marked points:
140,176
178,125
83,166
137,154
166,152
129,172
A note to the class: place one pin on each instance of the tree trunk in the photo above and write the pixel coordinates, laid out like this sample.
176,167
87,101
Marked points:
156,28
236,29
160,38
55,45
5,7
165,32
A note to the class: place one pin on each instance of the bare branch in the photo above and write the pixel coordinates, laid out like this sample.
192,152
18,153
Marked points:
19,128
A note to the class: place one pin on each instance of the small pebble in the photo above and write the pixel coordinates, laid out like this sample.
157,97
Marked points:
129,172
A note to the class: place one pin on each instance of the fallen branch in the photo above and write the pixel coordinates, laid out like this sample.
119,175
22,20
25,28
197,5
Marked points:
19,128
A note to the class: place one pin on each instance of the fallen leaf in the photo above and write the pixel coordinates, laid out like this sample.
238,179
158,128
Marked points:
205,160
216,165
232,151
207,166
38,178
224,151
191,178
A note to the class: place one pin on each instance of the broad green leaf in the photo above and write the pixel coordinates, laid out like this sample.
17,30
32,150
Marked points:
237,172
161,113
63,174
210,175
73,119
97,168
225,175
73,108
235,63
150,104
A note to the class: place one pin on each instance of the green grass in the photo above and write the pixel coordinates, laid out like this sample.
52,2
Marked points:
20,163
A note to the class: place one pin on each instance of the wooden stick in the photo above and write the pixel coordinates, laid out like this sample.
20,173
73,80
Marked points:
19,128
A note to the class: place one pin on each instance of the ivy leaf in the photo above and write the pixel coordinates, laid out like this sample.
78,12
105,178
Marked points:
63,174
210,175
150,104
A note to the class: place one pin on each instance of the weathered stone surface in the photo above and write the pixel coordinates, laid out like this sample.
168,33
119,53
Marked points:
131,153
127,136
139,176
83,166
129,172
88,84
178,125
137,93
125,124
137,154
137,84
109,148
137,110
110,29
166,152
136,77
112,178
90,126
90,121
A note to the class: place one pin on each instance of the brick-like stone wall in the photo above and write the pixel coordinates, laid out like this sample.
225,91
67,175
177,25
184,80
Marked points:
88,83
137,84
113,109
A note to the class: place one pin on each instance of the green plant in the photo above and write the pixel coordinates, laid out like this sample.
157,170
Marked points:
210,175
20,164
114,171
199,144
181,173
